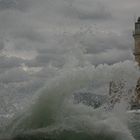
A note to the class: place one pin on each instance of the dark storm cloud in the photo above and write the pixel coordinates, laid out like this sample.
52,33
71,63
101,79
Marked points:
29,35
102,42
42,60
14,4
56,60
94,16
1,45
10,62
110,56
5,4
87,10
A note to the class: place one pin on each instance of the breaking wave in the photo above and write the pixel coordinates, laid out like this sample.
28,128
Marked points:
53,114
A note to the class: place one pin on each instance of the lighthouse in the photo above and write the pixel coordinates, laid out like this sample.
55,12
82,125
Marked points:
116,88
136,35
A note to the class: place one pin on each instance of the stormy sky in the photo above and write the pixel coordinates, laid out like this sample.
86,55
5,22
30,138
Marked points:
37,33
40,37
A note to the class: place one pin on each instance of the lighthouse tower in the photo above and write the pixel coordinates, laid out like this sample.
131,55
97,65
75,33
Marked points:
136,35
116,87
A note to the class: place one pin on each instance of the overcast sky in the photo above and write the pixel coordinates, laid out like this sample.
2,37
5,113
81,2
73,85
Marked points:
39,37
44,31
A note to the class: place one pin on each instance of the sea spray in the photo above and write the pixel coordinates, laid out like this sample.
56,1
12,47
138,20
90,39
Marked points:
54,114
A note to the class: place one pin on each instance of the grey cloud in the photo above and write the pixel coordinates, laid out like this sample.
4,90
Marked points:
33,30
43,60
87,10
99,45
95,16
14,4
110,57
54,50
13,22
4,4
103,42
10,62
1,45
29,35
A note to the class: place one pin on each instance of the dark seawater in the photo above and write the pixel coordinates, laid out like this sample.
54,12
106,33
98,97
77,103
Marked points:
69,134
65,135
134,125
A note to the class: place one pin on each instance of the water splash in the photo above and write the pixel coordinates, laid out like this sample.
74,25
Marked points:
54,115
